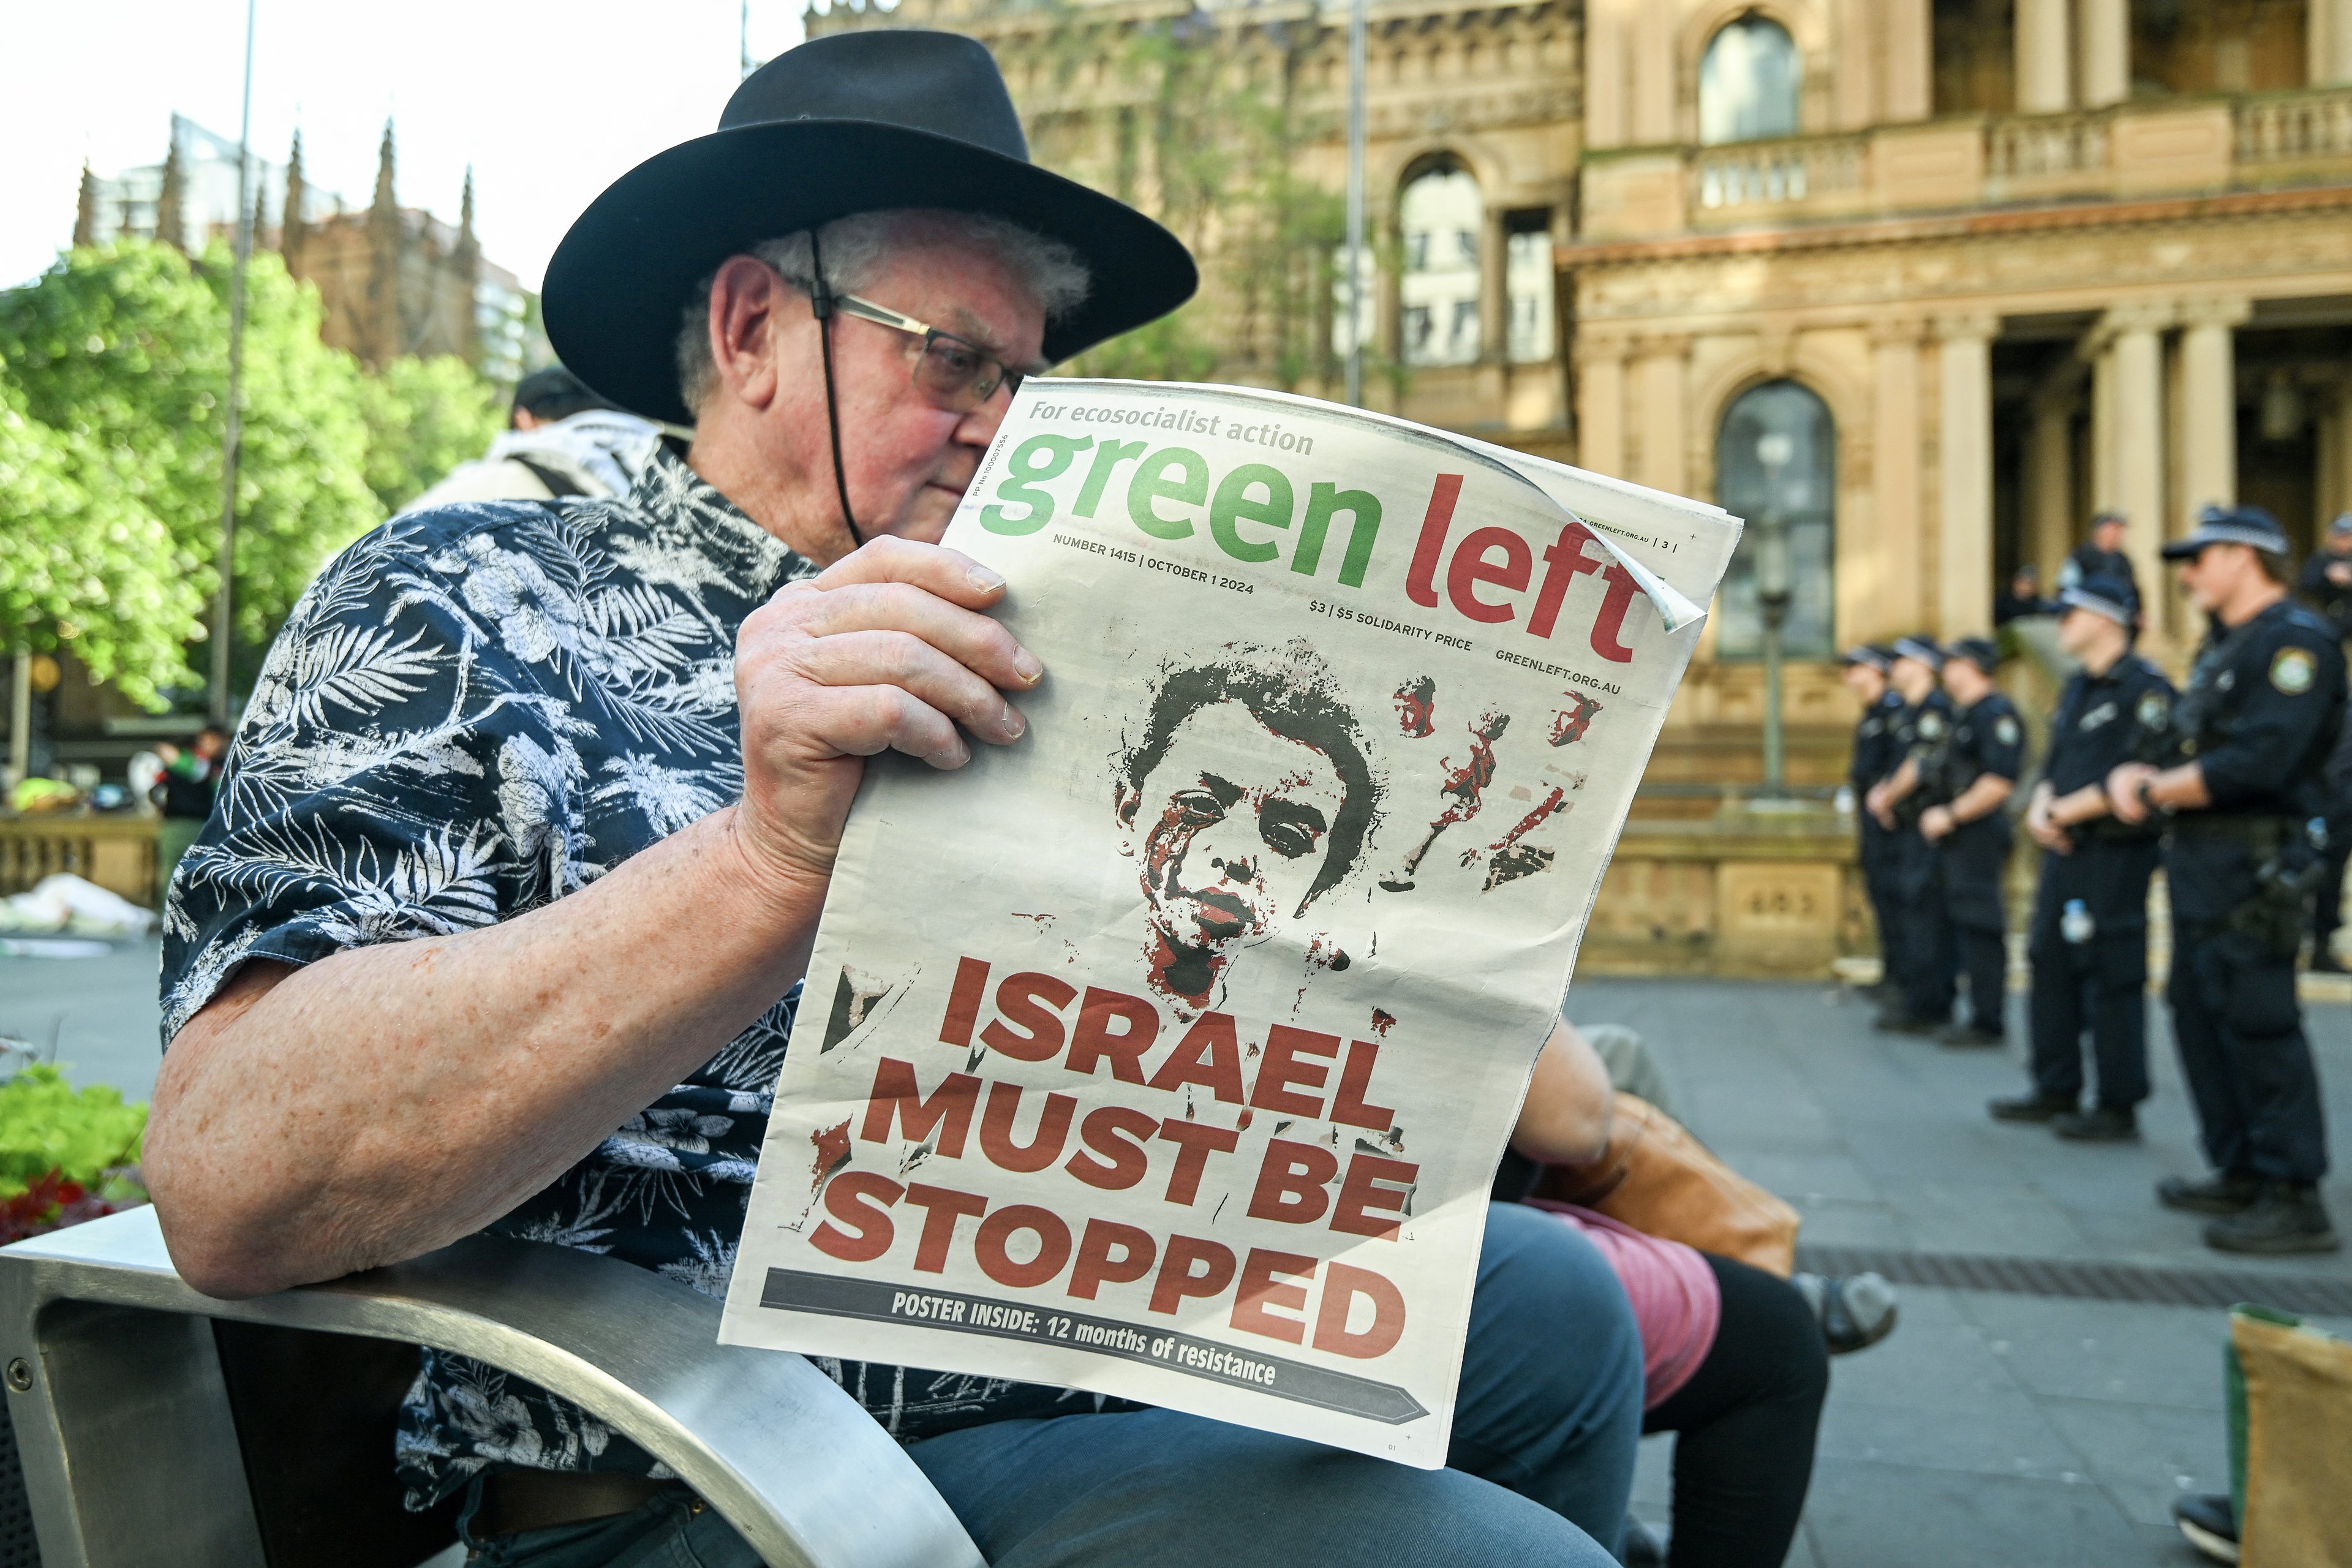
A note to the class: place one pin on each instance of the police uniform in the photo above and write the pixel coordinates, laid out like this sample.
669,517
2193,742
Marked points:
2332,600
2087,561
2090,963
1987,737
1923,957
2260,717
1875,757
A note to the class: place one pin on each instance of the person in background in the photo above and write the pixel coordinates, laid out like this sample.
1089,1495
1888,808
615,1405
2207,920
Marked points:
2101,555
1922,953
1863,670
2242,794
2325,583
2089,937
562,440
1970,781
184,794
2022,598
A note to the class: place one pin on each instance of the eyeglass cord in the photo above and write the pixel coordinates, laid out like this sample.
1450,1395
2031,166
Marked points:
821,307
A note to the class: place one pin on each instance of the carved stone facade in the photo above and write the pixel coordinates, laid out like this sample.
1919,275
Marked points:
2036,257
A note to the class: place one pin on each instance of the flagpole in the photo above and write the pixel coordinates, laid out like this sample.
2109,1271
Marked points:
232,426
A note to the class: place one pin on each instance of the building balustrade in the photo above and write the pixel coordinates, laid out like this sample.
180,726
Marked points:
2149,147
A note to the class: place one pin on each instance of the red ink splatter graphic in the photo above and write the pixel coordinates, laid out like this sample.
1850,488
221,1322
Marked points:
1416,706
1382,1022
1464,788
1514,859
832,1152
1568,725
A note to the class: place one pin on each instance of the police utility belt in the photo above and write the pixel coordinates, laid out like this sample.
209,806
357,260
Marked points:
2290,861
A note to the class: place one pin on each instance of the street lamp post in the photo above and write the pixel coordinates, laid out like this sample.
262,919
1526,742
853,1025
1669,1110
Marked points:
232,422
1773,592
1356,65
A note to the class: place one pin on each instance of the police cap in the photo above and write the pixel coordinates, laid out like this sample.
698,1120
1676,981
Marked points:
1866,656
1922,647
2104,594
1977,652
2230,525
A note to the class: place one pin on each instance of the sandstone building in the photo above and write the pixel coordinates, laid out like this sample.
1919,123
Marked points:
395,280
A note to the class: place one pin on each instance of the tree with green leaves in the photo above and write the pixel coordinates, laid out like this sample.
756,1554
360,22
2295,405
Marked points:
124,351
87,568
424,418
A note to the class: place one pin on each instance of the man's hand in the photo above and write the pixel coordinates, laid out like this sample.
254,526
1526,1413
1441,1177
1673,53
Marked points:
1879,806
886,649
2340,573
2045,831
2122,792
1936,822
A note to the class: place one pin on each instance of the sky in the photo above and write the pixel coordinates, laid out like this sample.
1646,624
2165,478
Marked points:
549,102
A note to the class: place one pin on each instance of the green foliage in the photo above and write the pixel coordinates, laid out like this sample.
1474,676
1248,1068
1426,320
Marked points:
424,418
87,566
123,351
45,1126
1197,120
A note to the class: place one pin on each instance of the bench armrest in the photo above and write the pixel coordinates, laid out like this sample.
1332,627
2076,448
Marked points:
785,1456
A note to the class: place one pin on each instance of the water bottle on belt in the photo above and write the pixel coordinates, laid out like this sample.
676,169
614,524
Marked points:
2076,924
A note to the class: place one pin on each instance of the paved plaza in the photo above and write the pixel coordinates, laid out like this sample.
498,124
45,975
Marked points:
1996,1426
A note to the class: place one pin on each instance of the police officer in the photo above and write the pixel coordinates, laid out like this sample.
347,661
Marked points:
1923,955
2101,555
1863,670
2326,586
1968,786
2327,581
2088,943
2243,791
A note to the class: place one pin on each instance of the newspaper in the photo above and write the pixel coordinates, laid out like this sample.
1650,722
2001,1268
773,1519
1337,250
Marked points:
1168,1052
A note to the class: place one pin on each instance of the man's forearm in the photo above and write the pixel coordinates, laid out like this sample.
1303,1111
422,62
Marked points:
2085,805
1983,798
392,1099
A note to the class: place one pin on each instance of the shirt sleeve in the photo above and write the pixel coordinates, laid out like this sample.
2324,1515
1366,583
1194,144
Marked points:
2285,689
2001,743
396,775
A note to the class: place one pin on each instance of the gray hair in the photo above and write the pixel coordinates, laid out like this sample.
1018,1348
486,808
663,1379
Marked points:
855,250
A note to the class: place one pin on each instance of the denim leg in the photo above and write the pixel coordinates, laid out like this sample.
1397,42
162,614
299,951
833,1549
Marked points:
1545,1434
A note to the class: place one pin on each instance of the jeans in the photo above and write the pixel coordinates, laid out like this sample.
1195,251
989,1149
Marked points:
1544,1434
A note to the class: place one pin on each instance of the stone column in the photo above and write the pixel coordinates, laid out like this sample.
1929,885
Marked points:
1964,463
1888,578
1600,406
1606,27
2105,46
2133,428
2050,487
1906,76
1653,39
1494,290
2209,406
1659,368
2046,65
2327,40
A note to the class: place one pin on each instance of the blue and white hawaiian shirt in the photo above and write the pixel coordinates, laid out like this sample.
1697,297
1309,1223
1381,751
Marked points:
474,710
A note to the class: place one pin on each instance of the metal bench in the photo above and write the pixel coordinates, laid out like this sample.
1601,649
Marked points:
160,1427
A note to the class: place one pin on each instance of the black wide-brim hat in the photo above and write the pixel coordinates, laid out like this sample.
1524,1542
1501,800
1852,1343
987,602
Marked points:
854,122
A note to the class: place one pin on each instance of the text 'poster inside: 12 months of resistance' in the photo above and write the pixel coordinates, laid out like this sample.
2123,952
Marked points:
1167,1053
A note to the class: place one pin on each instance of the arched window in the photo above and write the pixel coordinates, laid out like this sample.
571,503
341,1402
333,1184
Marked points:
1748,82
1440,217
1776,465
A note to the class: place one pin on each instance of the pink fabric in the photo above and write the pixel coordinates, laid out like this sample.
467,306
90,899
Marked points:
1677,1302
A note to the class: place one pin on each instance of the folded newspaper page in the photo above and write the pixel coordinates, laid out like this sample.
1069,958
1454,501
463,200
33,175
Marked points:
1168,1052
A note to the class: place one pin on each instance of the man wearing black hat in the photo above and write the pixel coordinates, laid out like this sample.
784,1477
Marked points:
1924,956
1863,670
501,917
2088,943
2244,796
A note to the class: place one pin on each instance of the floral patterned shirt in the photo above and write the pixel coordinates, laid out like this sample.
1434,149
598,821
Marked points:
473,711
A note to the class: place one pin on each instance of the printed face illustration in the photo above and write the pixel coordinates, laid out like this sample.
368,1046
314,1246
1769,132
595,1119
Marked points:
1231,827
1414,715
